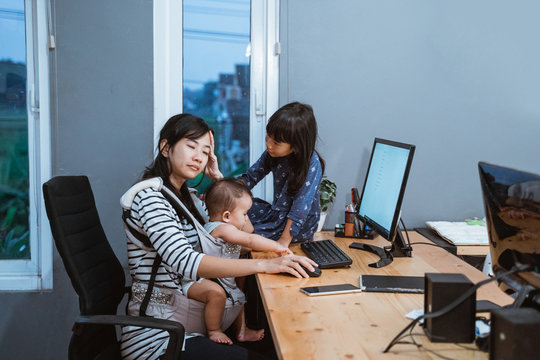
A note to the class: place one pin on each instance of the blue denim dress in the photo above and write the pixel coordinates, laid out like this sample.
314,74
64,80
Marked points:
303,209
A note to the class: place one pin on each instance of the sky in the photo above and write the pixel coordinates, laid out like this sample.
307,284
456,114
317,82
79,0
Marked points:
216,37
12,39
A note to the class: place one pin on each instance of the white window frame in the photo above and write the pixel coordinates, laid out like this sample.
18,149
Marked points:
264,66
37,272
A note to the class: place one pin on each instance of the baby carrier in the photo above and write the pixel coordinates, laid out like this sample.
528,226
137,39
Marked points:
178,307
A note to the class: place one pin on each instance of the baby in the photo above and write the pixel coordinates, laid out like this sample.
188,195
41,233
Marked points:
228,201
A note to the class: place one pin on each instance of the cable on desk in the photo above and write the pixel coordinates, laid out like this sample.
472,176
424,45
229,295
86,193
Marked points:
420,242
425,243
454,303
426,349
406,232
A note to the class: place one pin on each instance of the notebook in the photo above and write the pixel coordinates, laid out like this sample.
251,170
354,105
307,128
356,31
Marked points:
392,284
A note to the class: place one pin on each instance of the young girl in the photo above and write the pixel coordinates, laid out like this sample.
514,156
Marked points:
291,134
228,201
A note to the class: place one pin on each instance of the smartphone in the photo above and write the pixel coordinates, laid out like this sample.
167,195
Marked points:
330,289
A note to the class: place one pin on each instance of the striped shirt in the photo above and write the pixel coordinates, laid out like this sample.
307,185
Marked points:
176,241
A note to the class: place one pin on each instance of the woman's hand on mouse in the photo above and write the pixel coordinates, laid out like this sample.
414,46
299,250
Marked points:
291,264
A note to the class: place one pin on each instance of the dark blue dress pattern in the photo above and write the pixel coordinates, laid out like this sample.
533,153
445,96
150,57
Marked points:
303,209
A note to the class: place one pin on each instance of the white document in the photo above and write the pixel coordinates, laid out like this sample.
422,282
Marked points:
460,233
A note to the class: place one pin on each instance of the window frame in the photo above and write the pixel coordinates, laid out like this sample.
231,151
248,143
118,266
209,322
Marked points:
264,68
35,273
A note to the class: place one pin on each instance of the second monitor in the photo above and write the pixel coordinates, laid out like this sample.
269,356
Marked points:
382,195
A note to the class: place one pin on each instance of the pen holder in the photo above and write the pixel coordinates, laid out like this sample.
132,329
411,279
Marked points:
349,223
353,227
349,217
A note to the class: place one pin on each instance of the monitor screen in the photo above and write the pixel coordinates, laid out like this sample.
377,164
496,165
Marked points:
387,174
512,205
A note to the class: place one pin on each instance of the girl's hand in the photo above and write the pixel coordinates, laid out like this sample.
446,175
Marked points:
289,264
284,242
286,237
212,168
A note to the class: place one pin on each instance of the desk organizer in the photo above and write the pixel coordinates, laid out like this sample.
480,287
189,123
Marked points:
339,231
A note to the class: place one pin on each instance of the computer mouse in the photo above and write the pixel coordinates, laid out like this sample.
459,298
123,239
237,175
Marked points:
315,273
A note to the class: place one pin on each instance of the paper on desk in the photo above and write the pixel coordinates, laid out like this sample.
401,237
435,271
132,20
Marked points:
460,233
415,314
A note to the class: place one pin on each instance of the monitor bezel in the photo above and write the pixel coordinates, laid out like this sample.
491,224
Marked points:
391,233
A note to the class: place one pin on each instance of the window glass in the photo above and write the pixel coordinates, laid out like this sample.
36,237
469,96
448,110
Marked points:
14,179
216,76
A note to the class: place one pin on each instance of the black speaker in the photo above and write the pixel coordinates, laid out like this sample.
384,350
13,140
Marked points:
456,325
515,334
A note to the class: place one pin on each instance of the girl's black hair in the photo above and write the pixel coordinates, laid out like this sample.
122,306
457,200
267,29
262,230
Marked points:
176,128
295,125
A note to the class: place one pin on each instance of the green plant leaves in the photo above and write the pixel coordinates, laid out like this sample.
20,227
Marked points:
327,192
14,186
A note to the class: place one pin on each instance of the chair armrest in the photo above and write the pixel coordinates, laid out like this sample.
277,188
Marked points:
175,329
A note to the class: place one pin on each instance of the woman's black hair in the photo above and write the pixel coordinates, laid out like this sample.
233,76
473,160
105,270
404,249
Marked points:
175,129
295,125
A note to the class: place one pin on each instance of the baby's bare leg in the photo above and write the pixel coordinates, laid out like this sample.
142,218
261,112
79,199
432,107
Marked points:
214,297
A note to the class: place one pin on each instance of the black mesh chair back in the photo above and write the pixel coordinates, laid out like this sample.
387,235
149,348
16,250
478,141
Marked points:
95,272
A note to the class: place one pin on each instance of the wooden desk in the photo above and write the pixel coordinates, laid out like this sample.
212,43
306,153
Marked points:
360,326
460,250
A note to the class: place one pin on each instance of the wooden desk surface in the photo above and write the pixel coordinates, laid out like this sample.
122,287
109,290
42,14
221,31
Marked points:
475,250
460,250
360,326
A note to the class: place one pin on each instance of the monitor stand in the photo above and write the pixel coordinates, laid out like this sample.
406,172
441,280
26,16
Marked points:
386,254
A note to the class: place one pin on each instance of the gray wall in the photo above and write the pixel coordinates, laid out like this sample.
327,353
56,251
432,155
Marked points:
459,79
102,127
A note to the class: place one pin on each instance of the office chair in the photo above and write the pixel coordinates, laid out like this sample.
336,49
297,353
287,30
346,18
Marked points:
95,272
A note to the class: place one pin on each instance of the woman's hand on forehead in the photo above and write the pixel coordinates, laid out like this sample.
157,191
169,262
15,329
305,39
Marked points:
212,168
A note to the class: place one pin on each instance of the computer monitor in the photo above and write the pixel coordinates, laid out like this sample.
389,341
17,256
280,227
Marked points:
382,195
512,205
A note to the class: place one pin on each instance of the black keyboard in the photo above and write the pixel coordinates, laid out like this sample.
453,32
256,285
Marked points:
326,253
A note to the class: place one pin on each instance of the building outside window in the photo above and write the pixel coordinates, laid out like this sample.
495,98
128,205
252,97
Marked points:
216,81
225,71
14,172
25,247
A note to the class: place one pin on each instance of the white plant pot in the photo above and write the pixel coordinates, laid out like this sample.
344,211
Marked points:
322,220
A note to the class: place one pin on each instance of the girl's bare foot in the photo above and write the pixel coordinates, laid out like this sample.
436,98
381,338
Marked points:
247,334
219,337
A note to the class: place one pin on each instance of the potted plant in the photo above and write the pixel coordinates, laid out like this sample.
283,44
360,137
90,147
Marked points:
327,192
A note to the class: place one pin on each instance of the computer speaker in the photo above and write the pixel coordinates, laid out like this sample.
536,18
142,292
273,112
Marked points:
514,334
457,325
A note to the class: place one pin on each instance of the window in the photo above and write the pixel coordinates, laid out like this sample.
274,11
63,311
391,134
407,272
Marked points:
216,81
224,70
25,245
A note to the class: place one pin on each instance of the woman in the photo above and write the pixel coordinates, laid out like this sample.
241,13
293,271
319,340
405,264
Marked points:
186,148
